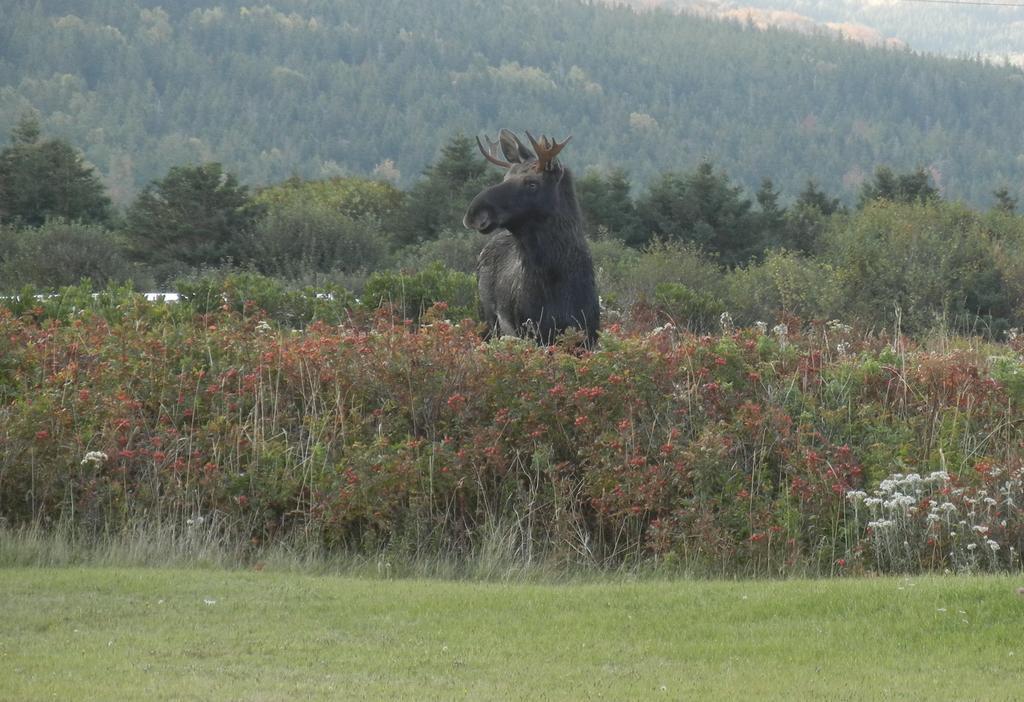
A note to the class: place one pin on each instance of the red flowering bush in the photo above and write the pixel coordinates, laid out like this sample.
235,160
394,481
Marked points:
733,453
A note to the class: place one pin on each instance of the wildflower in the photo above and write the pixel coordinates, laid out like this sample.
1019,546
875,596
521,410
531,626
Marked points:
725,320
94,457
668,327
992,545
263,326
762,327
971,547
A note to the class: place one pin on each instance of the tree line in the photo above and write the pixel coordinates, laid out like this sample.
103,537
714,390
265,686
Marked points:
688,245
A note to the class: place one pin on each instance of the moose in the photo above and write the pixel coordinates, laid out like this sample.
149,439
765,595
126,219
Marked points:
535,275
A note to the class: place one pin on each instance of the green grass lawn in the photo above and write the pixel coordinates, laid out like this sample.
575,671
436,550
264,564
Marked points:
125,634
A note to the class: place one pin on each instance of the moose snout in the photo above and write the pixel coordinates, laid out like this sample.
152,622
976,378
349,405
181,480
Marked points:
480,219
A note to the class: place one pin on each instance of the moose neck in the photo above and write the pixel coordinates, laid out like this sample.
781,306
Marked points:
547,243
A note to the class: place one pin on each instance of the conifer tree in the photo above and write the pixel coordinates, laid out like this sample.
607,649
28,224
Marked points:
195,215
46,178
438,201
1004,201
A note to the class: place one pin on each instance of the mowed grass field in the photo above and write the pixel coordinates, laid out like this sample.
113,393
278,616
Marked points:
193,634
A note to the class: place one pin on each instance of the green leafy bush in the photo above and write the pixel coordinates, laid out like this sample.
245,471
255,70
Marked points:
411,294
932,262
686,307
298,240
252,294
71,302
783,285
356,198
627,277
58,254
456,250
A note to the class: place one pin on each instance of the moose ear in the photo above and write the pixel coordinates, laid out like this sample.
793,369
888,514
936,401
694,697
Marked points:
512,148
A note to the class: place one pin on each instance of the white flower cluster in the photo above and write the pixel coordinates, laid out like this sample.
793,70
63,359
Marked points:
725,321
668,327
96,457
893,512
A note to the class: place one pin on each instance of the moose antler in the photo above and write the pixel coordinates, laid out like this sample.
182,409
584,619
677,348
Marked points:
490,151
546,150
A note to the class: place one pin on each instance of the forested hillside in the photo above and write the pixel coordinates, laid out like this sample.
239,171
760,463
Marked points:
319,88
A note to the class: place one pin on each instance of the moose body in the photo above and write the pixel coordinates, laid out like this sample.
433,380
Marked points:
535,275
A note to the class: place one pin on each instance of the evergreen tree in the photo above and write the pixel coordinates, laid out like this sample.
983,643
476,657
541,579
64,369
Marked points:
1004,201
195,215
608,208
438,201
705,208
904,188
806,220
41,179
771,219
814,197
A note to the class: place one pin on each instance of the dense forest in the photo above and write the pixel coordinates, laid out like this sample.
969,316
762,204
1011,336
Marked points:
320,89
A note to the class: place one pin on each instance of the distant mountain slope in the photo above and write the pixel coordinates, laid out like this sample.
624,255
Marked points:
316,87
939,26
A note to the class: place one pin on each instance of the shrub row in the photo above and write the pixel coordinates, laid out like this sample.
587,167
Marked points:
750,451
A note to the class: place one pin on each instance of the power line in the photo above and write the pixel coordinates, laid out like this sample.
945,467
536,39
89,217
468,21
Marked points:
970,2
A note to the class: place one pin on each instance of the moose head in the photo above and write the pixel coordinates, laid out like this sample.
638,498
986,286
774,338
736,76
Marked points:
532,189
